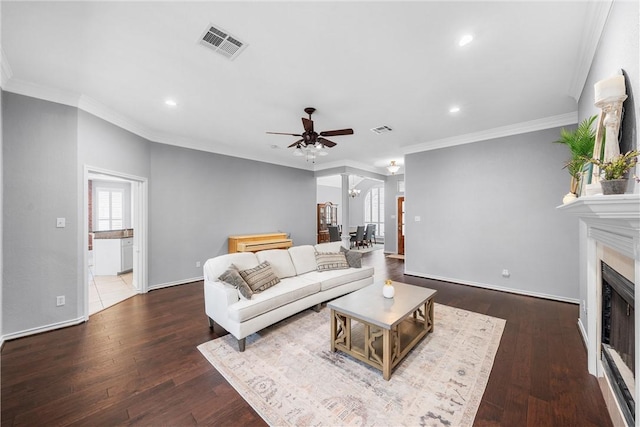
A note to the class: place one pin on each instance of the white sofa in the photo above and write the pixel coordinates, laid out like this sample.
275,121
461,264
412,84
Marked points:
301,286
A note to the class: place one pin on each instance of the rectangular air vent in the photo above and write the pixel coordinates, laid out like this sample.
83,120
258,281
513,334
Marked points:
381,129
222,42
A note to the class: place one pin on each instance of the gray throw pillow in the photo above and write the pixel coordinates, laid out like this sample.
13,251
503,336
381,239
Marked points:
261,277
331,261
232,277
354,258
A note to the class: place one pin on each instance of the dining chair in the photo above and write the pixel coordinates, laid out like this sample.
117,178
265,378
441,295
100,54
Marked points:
368,235
358,239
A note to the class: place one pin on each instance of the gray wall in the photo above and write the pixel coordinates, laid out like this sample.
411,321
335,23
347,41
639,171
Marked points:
489,206
618,49
391,195
40,185
196,200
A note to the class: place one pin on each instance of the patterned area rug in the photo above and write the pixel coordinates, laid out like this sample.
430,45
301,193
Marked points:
290,377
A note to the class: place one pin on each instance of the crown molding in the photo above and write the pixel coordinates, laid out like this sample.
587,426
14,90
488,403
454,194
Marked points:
595,20
42,92
102,111
515,129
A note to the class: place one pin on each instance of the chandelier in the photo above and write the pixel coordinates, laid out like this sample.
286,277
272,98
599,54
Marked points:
393,168
353,191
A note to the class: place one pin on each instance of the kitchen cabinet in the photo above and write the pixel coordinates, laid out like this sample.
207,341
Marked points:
112,256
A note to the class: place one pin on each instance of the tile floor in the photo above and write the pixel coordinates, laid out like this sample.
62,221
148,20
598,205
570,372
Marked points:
105,291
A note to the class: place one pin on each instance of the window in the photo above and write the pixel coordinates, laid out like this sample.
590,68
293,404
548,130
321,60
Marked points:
110,210
374,209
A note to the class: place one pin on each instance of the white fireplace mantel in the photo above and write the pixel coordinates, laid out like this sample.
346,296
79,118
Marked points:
612,221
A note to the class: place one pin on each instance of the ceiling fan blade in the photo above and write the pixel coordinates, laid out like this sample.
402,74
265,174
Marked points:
297,143
308,125
282,133
326,142
337,132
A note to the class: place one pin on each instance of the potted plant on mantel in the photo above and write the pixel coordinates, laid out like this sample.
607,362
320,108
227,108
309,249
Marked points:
580,142
613,179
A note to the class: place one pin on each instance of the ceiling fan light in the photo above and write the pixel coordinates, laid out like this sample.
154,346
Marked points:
298,152
322,153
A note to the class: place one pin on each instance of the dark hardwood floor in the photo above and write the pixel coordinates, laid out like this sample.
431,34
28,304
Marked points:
137,363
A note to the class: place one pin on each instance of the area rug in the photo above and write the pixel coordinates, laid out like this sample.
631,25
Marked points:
365,249
290,377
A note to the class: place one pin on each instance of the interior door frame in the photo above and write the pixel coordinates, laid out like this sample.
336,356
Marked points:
399,216
140,202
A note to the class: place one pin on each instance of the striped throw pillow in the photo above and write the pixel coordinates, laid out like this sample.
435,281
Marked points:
331,261
260,278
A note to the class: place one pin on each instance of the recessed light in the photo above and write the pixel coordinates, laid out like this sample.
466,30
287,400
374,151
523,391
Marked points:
454,109
170,103
465,40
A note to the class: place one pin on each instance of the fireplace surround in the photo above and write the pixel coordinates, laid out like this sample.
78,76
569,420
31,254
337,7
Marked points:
609,234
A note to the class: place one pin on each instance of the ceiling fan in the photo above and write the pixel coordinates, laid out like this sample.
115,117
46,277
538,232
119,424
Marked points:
312,138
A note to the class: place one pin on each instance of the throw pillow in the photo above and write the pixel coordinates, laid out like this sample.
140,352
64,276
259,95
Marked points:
233,278
354,258
260,278
331,261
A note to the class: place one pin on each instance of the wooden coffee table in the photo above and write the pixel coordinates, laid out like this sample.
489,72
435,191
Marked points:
381,331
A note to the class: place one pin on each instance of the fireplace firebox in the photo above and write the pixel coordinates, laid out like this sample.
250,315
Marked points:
618,338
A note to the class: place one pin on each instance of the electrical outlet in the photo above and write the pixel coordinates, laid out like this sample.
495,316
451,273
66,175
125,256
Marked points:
61,222
506,273
197,264
60,301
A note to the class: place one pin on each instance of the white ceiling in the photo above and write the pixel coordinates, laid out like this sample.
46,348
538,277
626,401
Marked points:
360,64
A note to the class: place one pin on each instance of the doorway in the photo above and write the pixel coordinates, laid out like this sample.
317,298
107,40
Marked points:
400,216
114,239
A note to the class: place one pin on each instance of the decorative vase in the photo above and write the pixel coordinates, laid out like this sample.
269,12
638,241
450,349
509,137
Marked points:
569,197
614,186
387,290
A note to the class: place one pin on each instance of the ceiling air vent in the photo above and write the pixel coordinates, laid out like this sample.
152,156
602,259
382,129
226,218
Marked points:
222,42
381,129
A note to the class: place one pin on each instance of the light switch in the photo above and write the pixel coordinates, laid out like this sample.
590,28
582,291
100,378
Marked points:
417,219
61,222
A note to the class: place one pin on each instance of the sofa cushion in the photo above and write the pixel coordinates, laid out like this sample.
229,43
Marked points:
260,278
331,261
280,262
232,277
331,279
354,258
214,267
328,247
303,258
287,291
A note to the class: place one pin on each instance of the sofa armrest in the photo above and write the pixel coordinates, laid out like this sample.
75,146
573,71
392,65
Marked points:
218,297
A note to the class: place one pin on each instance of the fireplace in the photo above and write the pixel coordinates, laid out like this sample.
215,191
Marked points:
618,338
609,273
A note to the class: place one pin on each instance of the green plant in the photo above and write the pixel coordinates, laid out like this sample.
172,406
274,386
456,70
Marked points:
617,167
580,142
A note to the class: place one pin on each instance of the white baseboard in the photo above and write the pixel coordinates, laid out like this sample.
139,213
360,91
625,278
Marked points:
176,283
41,329
495,288
583,332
